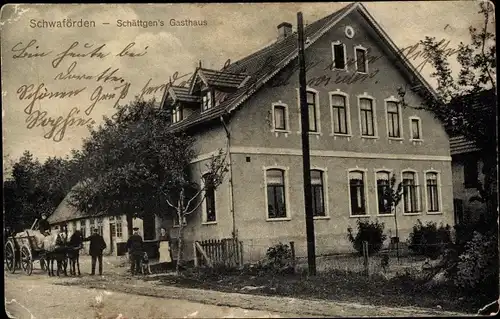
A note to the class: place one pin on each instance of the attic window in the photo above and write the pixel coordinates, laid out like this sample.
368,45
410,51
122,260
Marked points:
338,53
207,101
361,62
177,114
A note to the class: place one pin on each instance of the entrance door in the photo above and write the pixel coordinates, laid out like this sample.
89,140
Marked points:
458,207
149,227
112,234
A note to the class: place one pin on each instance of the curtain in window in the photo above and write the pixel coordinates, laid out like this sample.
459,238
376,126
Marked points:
432,193
366,111
356,185
276,193
382,186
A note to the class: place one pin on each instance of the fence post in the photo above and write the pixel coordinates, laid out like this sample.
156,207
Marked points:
292,248
195,252
241,253
365,257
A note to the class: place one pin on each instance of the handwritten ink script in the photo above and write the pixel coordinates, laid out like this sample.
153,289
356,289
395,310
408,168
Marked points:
89,89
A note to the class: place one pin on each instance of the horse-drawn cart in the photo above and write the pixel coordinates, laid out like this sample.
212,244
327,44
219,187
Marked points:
22,250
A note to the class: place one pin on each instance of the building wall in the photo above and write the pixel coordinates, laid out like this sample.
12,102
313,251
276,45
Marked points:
471,210
253,137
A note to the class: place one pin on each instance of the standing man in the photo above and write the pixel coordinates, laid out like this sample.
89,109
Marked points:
135,251
97,245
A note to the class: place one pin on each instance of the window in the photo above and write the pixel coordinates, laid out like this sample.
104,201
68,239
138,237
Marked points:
311,104
112,227
99,226
470,172
366,113
382,186
92,225
432,192
176,220
119,227
317,193
415,129
410,193
338,56
83,228
280,117
339,114
276,204
393,118
177,114
209,198
361,65
207,101
357,193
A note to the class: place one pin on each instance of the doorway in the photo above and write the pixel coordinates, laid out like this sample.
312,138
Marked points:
149,227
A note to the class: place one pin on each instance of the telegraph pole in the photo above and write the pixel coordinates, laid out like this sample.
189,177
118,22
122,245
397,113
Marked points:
306,160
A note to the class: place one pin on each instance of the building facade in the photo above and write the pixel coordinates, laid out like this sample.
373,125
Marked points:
113,228
359,136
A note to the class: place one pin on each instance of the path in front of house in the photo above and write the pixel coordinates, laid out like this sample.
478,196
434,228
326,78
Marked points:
116,280
39,296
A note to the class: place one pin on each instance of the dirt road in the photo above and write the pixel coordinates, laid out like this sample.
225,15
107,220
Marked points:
37,296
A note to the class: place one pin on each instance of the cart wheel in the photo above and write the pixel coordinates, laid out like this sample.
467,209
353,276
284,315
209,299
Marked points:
26,260
10,257
43,263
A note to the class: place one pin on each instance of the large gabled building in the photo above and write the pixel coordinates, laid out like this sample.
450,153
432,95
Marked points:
359,132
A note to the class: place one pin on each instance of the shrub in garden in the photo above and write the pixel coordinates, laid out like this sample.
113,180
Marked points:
372,232
428,239
478,266
279,257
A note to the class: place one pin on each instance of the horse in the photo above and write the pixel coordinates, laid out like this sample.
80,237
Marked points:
54,246
73,252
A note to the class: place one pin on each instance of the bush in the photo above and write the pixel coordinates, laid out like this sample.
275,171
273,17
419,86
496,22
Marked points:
478,265
279,257
372,232
429,240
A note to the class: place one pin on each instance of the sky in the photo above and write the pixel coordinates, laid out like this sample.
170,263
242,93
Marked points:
31,68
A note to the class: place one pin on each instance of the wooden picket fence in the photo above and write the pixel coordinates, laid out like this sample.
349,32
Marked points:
218,252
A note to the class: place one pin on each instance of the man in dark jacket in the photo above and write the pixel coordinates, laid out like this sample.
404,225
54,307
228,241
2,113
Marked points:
97,245
43,225
135,251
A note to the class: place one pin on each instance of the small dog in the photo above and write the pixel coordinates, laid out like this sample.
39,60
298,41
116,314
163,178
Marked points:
146,270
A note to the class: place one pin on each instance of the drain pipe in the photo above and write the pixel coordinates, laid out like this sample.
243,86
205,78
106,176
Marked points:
230,164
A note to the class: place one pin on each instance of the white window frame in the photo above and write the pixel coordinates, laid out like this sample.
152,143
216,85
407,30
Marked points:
211,105
287,193
287,118
360,47
440,199
364,171
333,56
178,111
203,204
400,118
374,105
325,191
347,110
382,170
419,198
318,114
410,119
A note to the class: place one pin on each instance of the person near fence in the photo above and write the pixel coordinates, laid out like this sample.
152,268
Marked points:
97,245
135,248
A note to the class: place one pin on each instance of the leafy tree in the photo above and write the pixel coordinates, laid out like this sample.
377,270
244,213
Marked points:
35,188
467,104
133,165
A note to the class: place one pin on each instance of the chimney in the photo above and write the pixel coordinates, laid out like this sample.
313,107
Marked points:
284,30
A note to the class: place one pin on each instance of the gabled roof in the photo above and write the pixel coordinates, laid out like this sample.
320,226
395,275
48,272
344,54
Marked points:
264,64
66,212
216,78
182,94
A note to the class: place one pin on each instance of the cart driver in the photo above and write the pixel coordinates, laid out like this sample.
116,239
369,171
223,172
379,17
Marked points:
43,225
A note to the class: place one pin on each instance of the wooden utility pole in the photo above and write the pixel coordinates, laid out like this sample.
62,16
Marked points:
306,160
